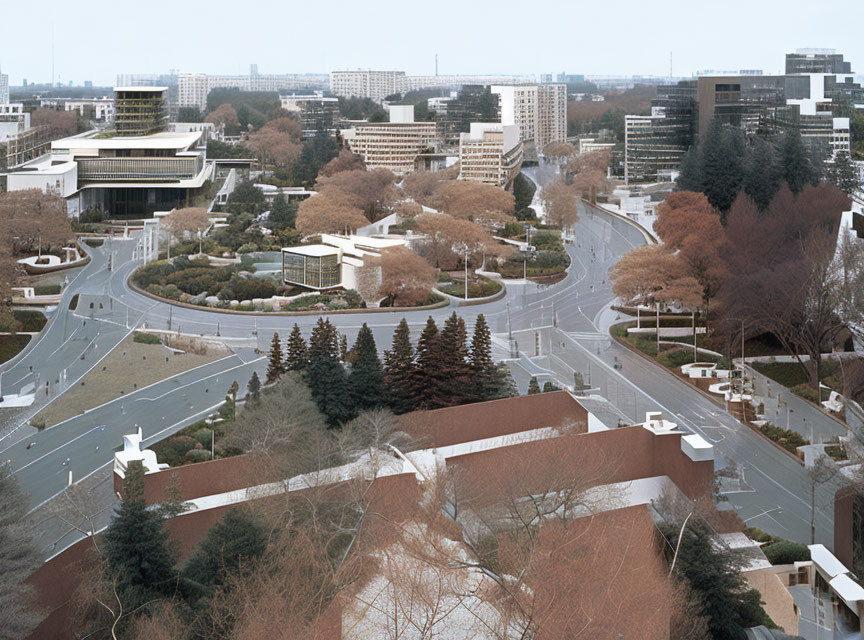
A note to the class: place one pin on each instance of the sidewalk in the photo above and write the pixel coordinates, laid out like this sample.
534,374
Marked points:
784,409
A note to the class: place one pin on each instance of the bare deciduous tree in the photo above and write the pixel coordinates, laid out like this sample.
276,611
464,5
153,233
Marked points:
330,211
406,278
191,222
473,201
373,192
561,203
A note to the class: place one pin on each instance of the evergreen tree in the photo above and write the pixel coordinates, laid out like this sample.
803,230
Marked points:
138,557
763,175
399,368
253,388
343,347
723,165
550,386
327,379
795,161
427,365
230,545
367,374
489,381
282,213
275,367
691,175
296,353
843,173
451,380
533,387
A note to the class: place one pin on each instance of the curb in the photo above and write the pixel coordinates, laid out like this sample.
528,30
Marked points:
708,396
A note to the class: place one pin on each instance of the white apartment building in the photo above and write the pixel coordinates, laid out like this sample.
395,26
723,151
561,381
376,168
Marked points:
193,88
413,83
490,153
366,83
21,142
4,88
392,145
97,108
539,110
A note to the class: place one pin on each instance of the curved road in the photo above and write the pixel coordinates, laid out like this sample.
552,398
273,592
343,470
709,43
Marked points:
558,329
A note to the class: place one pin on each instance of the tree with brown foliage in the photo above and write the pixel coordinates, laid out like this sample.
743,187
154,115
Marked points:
421,185
406,278
345,161
57,124
30,218
587,173
559,150
274,147
474,201
191,221
561,204
373,192
224,115
329,211
448,236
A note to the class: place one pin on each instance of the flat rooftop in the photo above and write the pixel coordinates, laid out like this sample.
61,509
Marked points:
162,140
314,250
142,89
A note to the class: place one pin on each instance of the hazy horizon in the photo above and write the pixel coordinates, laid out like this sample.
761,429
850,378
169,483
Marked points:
480,38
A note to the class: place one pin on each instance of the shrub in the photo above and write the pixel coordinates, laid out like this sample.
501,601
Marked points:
836,452
249,247
197,455
173,450
204,436
547,241
47,289
789,440
146,338
789,374
786,552
31,321
10,346
675,358
240,288
153,273
73,303
94,242
90,216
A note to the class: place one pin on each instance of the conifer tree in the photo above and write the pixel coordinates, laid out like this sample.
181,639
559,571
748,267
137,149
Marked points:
296,352
399,374
691,176
367,374
343,347
275,366
138,558
844,174
452,383
550,386
327,379
487,378
427,364
723,165
763,175
795,161
533,387
253,388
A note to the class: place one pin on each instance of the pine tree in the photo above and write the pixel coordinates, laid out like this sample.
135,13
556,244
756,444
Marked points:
135,545
795,161
533,387
452,383
550,386
282,213
296,352
327,379
691,174
399,370
425,369
723,165
343,347
253,388
763,175
229,545
843,173
487,378
367,375
275,366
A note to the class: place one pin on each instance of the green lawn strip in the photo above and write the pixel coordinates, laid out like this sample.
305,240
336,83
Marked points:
480,289
792,376
31,321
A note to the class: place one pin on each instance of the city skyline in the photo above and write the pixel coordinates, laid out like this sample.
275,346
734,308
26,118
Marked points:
583,41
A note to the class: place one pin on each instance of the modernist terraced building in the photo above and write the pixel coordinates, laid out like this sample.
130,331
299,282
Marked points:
131,171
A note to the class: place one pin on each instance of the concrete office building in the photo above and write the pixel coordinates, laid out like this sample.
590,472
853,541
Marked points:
490,153
392,145
540,111
19,142
315,111
129,173
366,83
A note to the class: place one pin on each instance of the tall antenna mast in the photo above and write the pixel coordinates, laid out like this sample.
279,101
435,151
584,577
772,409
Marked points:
670,64
52,54
436,65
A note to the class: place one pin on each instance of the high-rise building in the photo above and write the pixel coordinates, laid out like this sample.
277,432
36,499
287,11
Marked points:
540,111
473,103
490,153
366,83
4,88
193,88
315,111
816,61
392,145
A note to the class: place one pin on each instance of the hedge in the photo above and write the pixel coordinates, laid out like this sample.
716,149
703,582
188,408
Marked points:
46,289
10,346
786,552
146,338
788,439
31,321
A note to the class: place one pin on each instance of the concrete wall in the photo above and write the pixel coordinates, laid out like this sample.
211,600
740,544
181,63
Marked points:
779,604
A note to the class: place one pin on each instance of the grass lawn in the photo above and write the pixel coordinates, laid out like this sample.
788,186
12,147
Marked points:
130,366
792,376
671,356
481,289
10,346
31,321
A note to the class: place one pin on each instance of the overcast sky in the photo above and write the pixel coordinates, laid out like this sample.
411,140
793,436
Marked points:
621,37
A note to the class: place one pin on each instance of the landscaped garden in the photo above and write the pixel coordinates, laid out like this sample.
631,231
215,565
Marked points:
549,259
478,286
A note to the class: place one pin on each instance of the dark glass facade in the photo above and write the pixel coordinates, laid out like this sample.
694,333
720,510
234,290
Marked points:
316,272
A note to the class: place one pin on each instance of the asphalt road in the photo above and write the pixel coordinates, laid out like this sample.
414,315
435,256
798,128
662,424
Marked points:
559,329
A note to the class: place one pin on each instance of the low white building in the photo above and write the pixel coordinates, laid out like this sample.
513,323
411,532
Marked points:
334,262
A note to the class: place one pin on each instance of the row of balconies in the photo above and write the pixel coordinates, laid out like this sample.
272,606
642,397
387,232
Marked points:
138,169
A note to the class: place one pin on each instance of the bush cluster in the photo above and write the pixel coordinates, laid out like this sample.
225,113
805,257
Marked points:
788,439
